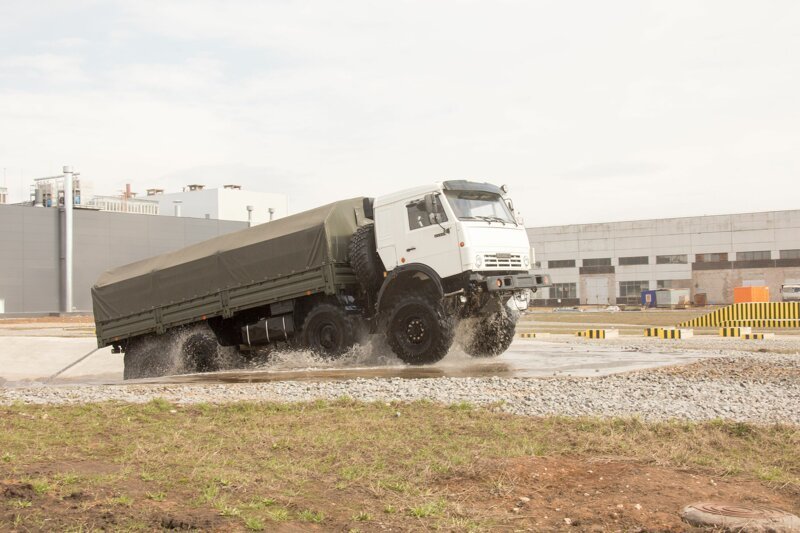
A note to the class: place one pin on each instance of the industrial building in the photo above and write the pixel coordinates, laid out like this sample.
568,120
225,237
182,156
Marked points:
612,263
227,203
32,262
56,245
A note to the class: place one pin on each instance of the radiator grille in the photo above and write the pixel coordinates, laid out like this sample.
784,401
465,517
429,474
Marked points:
502,261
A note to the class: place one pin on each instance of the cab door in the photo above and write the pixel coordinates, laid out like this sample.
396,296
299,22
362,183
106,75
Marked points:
432,242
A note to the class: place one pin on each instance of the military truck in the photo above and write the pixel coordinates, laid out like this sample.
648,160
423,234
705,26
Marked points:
408,266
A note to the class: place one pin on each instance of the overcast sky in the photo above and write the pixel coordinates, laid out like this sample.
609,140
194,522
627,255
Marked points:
590,111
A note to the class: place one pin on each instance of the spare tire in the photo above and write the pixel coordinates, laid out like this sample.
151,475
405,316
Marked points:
364,258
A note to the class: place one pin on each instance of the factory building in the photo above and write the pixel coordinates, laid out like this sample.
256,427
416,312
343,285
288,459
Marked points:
227,203
612,263
32,263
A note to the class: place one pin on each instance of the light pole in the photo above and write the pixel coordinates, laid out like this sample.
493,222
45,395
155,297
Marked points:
67,239
250,215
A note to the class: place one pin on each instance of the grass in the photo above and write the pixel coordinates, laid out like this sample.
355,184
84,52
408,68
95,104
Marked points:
307,515
334,463
638,318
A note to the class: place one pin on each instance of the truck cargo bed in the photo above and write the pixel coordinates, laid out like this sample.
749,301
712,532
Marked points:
288,258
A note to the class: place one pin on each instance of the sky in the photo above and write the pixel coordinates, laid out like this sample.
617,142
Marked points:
589,111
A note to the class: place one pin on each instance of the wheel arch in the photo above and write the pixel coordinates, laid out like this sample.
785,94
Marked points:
414,276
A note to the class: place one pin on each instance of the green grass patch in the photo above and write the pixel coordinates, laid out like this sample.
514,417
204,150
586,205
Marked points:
333,463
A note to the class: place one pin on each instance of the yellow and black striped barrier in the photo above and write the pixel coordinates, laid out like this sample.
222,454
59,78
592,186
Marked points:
734,332
674,333
786,311
652,332
599,333
758,336
533,335
764,323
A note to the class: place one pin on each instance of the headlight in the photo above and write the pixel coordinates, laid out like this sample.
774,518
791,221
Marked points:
526,261
478,260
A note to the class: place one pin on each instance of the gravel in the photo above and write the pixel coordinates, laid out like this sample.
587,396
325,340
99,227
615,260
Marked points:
708,344
758,388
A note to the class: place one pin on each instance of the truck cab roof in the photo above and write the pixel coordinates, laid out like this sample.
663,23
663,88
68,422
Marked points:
447,185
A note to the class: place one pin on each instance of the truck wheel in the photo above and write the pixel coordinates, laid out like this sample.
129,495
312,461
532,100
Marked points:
328,331
491,335
418,331
364,258
147,357
199,351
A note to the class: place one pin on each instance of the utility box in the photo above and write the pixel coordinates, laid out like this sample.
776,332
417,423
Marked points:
673,298
648,298
750,294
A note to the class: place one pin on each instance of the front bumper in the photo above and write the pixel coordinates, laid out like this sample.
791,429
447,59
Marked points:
512,282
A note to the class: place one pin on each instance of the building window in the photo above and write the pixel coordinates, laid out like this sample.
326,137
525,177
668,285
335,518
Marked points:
753,256
638,260
564,290
711,258
629,289
679,259
674,284
597,262
561,263
790,254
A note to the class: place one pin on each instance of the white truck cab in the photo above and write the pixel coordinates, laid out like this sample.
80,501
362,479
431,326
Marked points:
452,227
434,255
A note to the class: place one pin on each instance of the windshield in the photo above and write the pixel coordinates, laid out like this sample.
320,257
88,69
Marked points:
480,205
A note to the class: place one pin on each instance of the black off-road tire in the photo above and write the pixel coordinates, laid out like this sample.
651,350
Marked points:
199,352
489,336
364,258
147,357
328,330
418,331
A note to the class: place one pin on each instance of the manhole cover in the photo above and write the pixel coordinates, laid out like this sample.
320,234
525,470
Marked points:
735,517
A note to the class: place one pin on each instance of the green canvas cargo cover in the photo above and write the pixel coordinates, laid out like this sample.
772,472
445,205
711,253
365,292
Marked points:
283,247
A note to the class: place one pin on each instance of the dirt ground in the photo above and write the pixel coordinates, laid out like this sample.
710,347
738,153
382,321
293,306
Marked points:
524,494
44,320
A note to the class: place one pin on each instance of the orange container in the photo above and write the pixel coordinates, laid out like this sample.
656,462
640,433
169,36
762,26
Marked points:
750,294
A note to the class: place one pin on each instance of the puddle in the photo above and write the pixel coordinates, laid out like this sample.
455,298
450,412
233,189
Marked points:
525,359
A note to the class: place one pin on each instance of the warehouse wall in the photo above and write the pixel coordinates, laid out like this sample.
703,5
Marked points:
776,233
30,262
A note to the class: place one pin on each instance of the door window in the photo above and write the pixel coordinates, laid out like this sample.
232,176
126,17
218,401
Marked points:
418,216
